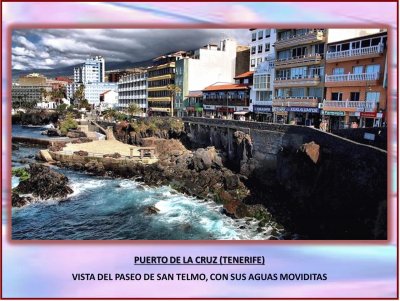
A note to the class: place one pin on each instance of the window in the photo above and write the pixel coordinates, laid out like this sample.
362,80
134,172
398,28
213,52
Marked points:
253,62
267,47
260,47
299,72
373,97
337,96
253,36
300,51
297,92
284,54
345,46
354,96
355,45
372,69
318,49
338,71
259,60
260,35
316,92
267,33
357,69
253,50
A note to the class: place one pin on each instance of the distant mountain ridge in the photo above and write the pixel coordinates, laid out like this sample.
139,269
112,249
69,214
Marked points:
69,70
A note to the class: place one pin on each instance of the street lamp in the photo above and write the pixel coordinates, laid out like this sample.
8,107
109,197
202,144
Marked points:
227,104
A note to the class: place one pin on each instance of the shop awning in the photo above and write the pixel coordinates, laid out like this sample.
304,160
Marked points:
241,113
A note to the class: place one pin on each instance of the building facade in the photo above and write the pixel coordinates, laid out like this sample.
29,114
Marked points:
161,89
354,81
194,103
108,100
92,71
94,90
29,93
299,75
261,46
208,65
226,100
132,89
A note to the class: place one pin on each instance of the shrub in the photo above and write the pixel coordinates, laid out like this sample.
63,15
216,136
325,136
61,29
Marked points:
21,173
67,124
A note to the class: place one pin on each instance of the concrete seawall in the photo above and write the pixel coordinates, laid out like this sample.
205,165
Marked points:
342,194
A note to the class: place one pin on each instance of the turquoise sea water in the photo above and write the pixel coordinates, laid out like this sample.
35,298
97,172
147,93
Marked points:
106,208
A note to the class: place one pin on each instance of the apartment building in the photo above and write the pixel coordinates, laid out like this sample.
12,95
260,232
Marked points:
299,75
29,93
354,81
94,90
92,71
208,65
161,89
132,89
261,46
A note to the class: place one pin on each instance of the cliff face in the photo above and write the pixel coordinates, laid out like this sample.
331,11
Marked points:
37,117
315,184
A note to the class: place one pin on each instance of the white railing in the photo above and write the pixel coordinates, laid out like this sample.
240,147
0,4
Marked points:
355,52
315,32
303,59
352,77
346,104
298,77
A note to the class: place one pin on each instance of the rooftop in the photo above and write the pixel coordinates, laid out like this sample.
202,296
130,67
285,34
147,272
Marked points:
224,87
244,75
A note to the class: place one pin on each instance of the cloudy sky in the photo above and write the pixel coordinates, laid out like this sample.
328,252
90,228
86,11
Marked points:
54,48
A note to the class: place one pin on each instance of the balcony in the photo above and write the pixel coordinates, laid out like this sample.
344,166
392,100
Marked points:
298,61
224,101
349,106
355,54
295,101
308,81
310,37
352,79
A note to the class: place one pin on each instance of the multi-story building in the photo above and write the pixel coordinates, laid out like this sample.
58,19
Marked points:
92,71
354,81
108,100
228,100
161,89
94,90
194,103
33,79
209,64
299,75
30,93
132,89
261,46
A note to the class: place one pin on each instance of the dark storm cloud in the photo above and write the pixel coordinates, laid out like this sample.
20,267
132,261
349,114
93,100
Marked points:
53,48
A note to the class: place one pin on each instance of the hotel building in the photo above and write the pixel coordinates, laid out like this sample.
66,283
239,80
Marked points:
132,89
355,72
160,84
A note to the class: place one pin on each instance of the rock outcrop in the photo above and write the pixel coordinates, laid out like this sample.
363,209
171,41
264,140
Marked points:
44,183
36,117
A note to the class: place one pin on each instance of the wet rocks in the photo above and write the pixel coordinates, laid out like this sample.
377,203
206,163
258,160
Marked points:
19,201
57,146
15,146
76,134
149,210
44,183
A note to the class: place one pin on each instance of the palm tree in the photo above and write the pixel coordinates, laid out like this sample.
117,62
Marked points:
110,113
134,109
79,94
173,90
44,94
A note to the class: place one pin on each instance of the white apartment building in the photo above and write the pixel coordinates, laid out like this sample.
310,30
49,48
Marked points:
108,100
92,71
132,89
93,91
208,65
261,46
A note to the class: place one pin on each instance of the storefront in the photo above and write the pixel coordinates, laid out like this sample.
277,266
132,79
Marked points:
335,119
209,111
371,119
297,115
262,113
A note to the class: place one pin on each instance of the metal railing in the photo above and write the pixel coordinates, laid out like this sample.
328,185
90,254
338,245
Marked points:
310,58
352,77
355,52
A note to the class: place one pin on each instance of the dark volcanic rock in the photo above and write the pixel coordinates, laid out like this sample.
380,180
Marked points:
38,117
76,134
18,201
114,155
53,133
44,183
81,153
151,210
15,146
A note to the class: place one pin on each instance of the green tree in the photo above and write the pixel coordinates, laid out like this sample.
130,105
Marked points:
110,113
68,123
134,110
79,95
173,90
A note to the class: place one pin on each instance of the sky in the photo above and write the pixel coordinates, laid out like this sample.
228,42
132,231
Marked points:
55,48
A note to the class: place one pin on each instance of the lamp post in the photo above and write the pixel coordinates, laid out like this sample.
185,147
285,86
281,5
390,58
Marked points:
227,104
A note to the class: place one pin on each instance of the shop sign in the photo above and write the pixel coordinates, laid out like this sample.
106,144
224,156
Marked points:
356,114
302,110
223,109
368,114
278,109
262,109
208,107
333,113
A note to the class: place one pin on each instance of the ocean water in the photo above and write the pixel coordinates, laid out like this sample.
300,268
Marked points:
115,209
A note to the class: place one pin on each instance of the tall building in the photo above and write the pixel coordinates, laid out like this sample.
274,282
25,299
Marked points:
92,71
208,65
261,46
161,84
299,75
354,81
132,89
